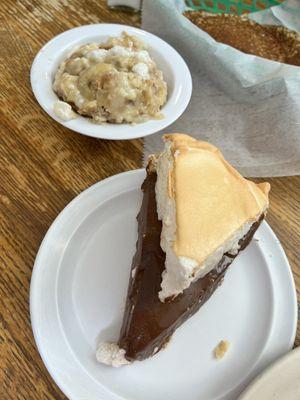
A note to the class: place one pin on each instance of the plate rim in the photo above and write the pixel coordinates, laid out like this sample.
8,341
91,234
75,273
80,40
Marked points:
137,174
184,78
266,373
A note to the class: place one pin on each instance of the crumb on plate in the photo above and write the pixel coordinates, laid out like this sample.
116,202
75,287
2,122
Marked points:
221,349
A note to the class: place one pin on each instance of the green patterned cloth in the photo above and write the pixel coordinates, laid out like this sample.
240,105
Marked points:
231,6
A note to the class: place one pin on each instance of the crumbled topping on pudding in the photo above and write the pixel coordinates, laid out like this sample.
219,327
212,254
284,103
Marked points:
116,82
276,43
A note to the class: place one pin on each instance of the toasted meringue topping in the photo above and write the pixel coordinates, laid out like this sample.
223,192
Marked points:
214,208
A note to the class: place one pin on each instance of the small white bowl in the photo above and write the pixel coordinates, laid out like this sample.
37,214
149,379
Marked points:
174,68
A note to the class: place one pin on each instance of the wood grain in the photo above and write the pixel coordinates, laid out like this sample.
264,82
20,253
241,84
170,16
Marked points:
44,166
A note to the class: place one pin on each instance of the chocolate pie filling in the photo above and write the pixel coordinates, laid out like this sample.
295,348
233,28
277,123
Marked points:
148,323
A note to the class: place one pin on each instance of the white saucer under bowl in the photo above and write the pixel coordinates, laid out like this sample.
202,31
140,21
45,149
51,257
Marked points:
174,68
78,292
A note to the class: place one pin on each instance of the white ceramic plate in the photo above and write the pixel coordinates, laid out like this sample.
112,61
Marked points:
78,292
281,381
175,70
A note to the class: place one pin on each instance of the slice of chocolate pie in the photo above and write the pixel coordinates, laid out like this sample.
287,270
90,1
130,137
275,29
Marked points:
197,214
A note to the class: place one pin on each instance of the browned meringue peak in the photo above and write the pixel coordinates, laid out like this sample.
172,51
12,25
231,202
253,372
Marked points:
214,206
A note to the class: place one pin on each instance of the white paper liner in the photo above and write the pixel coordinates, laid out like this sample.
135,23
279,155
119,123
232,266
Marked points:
252,110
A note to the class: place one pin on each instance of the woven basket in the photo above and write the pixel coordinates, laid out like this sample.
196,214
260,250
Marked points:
232,6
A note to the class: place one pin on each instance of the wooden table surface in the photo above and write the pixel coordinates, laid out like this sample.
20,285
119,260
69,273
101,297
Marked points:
44,166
